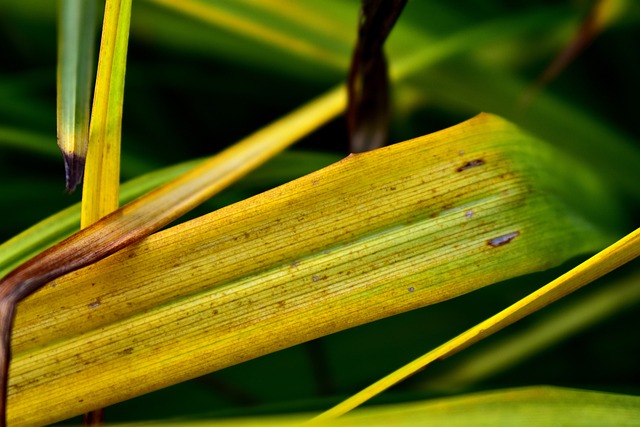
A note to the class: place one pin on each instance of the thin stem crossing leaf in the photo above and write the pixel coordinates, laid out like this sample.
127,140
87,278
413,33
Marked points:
595,267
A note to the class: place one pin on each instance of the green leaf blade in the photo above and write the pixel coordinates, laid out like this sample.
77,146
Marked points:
77,27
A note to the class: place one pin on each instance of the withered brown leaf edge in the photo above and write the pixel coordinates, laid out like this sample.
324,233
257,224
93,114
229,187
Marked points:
123,227
368,81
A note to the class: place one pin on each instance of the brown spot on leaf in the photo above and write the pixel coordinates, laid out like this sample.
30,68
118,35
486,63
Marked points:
471,164
503,240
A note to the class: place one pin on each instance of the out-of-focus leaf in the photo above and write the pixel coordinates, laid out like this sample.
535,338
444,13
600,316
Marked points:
527,406
515,407
26,140
280,28
476,87
432,220
602,12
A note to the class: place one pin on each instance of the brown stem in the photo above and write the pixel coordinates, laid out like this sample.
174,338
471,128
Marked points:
93,418
7,309
368,81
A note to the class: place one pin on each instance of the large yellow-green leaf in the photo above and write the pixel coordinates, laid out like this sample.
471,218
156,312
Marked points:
376,234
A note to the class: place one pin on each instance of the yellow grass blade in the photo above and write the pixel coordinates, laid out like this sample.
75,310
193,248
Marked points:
106,117
101,192
597,266
371,236
568,320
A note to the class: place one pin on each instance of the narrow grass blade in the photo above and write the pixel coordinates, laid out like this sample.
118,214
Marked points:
601,14
106,115
556,326
376,234
77,31
595,267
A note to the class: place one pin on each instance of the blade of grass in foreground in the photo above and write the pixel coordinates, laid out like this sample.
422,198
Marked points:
77,29
613,298
595,267
376,234
100,194
102,182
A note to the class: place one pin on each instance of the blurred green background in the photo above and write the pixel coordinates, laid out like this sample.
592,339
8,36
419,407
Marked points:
194,87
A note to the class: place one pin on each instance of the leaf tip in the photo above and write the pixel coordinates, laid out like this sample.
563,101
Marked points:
74,169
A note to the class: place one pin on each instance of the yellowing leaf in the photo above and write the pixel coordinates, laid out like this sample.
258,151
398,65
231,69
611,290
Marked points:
106,116
376,234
